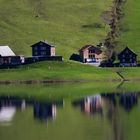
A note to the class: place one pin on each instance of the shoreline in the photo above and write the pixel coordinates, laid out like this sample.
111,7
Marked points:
6,82
33,82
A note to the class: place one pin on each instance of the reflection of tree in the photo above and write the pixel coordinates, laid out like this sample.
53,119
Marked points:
108,105
114,116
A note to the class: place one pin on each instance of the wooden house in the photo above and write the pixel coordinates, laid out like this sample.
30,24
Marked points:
90,54
42,48
127,58
8,57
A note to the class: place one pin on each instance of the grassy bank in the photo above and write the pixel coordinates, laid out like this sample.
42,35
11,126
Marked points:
58,71
129,26
132,74
67,71
68,24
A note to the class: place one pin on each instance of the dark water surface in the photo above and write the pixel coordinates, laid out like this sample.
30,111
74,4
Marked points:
102,116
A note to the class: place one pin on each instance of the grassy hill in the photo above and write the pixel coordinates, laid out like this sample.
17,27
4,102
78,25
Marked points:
59,71
68,24
129,26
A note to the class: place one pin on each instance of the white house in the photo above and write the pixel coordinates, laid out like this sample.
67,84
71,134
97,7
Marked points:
6,51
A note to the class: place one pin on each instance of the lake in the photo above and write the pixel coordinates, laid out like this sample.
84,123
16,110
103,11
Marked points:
72,112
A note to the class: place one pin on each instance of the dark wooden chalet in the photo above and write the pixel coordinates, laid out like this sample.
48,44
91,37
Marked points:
42,51
127,58
42,48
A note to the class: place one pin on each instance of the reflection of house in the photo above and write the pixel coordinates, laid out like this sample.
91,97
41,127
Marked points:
91,104
7,56
8,108
127,58
128,101
102,103
44,111
90,54
7,114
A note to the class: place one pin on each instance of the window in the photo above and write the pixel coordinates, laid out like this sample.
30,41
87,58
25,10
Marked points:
91,51
35,53
91,56
43,48
43,53
35,48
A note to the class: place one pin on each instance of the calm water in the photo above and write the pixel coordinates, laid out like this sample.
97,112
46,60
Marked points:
102,116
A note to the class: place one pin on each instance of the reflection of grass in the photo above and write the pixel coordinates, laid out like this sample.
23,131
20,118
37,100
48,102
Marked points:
130,86
58,71
56,92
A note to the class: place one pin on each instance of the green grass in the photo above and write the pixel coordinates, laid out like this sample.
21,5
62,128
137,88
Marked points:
25,22
129,73
58,71
69,25
130,29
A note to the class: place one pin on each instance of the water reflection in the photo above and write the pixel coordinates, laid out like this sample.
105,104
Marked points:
111,117
129,100
44,111
91,104
109,106
97,104
41,111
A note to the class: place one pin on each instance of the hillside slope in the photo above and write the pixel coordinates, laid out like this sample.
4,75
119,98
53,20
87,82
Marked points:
68,24
129,26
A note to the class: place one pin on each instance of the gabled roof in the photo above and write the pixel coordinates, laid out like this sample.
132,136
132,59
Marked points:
6,51
126,50
89,46
43,42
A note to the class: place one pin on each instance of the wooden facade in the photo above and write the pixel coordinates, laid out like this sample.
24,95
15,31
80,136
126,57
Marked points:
127,58
10,60
90,54
42,48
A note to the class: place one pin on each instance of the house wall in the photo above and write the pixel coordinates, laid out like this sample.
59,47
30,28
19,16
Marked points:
127,58
98,57
10,60
41,51
52,51
86,54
